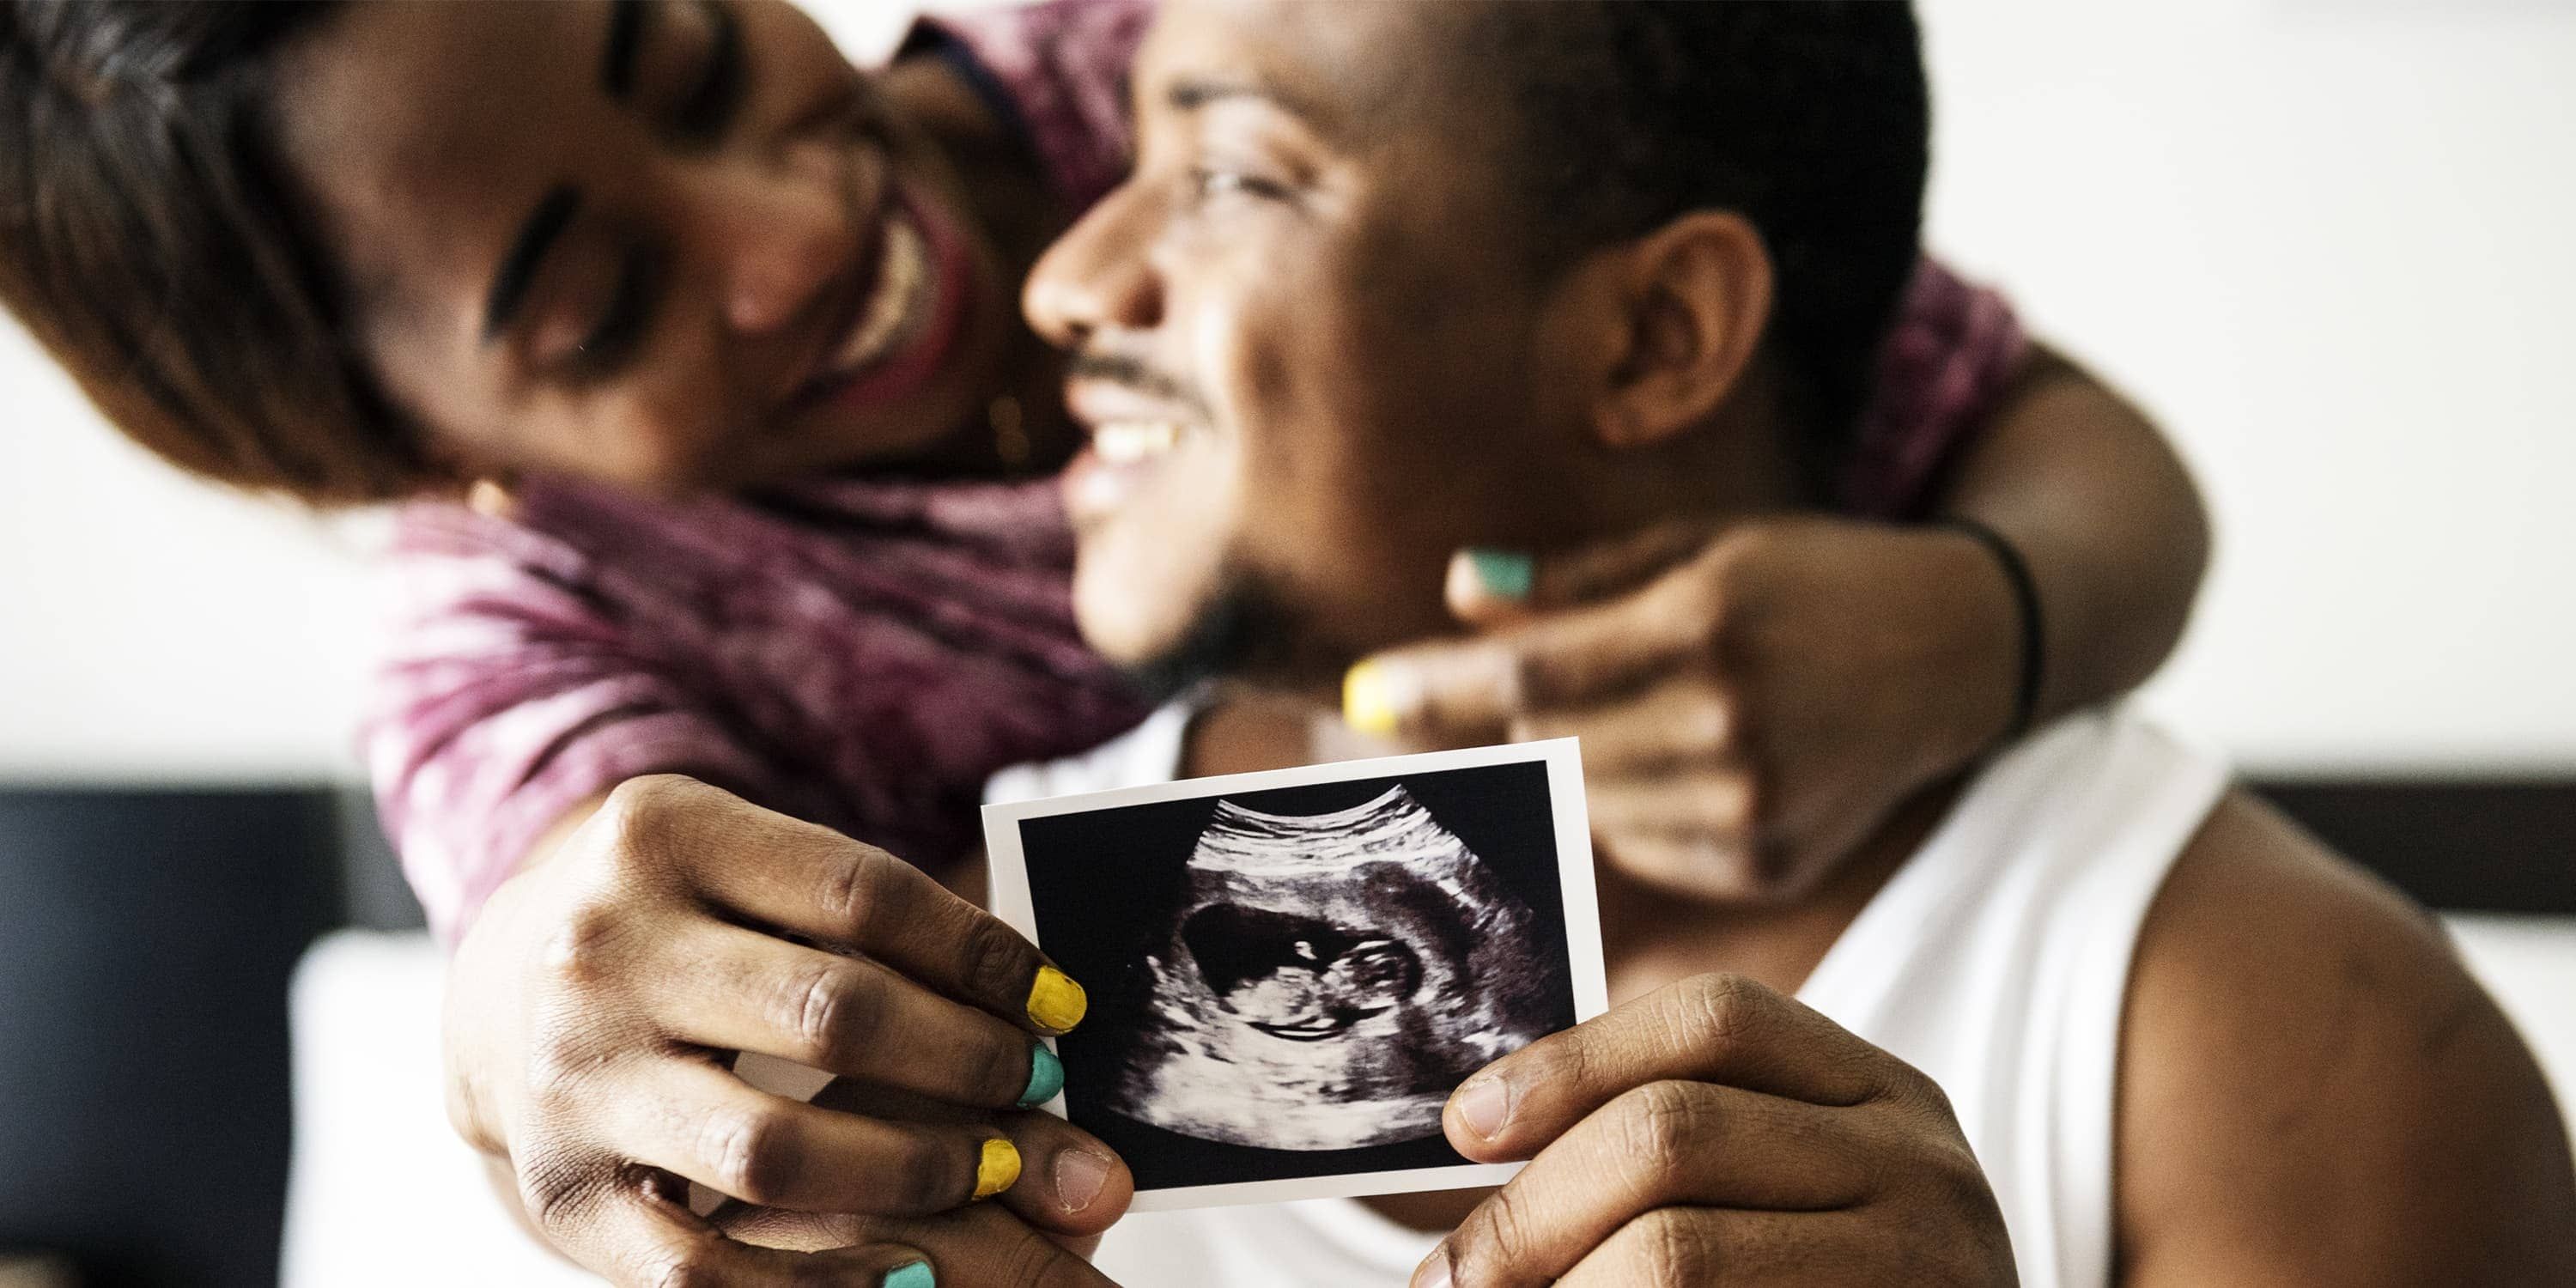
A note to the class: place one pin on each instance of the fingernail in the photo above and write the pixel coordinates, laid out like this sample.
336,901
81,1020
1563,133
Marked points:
1503,574
999,1166
1078,1178
1485,1105
1046,1076
1055,1001
915,1275
1368,700
1434,1271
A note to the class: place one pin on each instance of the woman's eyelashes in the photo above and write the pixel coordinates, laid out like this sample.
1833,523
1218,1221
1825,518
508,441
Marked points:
707,108
623,321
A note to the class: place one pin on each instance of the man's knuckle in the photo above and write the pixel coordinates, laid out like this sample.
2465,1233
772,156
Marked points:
1718,1009
586,947
1498,1237
1680,1250
1662,1122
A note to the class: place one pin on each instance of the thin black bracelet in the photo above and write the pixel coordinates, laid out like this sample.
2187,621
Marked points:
2025,597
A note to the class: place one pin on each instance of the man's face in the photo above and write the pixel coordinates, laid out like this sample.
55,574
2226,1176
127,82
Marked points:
1305,336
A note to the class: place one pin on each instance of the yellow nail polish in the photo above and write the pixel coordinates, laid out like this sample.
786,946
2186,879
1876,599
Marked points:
999,1166
1055,1001
1367,704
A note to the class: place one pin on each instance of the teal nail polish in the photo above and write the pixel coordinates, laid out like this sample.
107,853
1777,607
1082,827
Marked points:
1046,1077
1504,574
916,1275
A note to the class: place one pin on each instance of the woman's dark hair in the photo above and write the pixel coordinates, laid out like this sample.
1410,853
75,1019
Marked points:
148,239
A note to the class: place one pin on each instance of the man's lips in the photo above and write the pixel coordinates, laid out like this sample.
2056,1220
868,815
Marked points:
1131,433
1118,414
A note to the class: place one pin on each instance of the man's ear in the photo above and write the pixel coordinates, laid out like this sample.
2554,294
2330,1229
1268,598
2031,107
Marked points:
1693,296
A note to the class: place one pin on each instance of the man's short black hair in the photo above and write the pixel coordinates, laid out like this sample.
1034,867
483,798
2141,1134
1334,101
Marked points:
1810,118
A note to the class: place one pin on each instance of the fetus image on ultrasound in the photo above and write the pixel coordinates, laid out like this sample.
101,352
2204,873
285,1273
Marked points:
1328,980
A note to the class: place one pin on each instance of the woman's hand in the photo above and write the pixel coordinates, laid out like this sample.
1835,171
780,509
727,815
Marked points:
1753,701
593,1009
1715,1132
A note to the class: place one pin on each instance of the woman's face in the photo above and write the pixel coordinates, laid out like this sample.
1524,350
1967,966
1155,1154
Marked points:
670,244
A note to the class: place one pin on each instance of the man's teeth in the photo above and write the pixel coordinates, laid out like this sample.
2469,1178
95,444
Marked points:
1124,442
903,279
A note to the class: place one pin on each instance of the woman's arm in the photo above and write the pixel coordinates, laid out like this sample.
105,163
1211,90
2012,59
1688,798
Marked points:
2103,512
1842,664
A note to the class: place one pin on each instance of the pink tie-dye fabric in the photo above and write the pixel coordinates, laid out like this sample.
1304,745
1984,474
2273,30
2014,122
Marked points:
859,653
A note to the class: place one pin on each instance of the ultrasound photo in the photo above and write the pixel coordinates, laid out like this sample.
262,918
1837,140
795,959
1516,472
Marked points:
1290,972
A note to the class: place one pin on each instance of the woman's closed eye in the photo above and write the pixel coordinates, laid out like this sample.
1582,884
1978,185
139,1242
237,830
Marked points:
617,332
715,95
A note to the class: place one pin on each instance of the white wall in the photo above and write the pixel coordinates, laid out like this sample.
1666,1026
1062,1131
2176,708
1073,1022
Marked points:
2328,244
2333,247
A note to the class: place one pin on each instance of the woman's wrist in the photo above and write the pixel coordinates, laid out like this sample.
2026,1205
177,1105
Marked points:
2029,629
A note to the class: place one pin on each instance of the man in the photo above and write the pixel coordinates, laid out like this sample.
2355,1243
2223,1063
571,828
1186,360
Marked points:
1392,280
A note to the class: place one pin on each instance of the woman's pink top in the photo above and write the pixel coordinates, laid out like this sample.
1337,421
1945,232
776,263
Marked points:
861,653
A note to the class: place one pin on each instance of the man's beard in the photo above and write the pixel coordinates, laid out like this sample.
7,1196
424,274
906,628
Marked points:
1244,631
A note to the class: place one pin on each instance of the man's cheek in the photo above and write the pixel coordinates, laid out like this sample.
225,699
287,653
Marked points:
1147,573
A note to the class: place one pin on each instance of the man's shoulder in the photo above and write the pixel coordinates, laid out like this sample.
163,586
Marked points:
2312,1088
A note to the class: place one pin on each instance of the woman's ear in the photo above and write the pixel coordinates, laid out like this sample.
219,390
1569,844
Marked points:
1695,297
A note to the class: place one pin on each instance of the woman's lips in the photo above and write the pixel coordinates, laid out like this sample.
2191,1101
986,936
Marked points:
904,331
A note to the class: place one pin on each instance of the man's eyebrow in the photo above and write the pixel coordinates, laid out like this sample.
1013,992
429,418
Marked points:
519,267
625,35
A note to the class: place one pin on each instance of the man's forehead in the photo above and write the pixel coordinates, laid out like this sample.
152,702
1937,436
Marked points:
1342,63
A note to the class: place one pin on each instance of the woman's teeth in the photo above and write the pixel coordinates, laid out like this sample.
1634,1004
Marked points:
1125,442
894,309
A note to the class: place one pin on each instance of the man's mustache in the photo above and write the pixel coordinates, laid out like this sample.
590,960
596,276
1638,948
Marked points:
1134,375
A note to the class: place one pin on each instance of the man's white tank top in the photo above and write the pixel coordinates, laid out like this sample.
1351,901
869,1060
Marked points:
1995,961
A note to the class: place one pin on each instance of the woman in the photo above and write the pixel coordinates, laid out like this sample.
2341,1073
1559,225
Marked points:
718,332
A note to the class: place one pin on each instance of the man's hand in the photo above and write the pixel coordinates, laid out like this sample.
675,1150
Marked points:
1752,701
1717,1133
593,1009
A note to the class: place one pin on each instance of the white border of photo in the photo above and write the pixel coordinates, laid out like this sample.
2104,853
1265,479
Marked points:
1012,902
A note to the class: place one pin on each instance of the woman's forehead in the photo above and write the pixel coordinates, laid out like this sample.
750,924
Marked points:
419,130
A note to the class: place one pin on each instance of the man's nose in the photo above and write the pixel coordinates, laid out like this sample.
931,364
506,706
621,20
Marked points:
779,231
1098,276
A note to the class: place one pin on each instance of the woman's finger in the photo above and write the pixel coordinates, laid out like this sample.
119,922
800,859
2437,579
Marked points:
639,1239
1447,690
698,1120
1661,1145
814,882
1487,586
1070,1183
1703,867
983,1247
1710,1028
1716,804
1682,721
745,991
